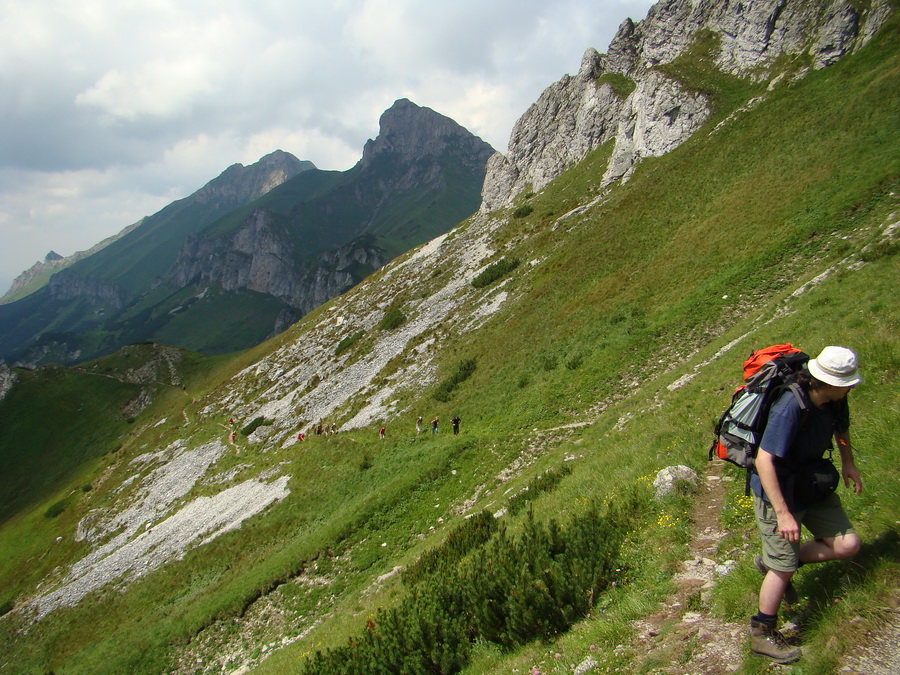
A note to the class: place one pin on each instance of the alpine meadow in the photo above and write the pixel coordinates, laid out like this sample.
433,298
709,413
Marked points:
159,511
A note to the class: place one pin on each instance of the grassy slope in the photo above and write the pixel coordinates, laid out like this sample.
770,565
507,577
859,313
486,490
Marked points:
627,299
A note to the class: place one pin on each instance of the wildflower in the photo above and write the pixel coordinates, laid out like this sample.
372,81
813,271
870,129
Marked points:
557,655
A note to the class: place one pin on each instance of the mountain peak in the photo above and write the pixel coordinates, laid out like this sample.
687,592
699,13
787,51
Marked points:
245,183
414,131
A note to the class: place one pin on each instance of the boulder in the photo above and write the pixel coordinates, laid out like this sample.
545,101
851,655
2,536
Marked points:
668,480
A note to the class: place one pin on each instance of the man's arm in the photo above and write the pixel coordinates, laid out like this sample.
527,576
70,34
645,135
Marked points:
848,465
788,527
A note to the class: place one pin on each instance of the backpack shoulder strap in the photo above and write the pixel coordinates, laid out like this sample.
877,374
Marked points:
802,400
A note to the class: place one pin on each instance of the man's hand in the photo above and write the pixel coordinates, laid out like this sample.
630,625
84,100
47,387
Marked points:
848,466
788,527
850,472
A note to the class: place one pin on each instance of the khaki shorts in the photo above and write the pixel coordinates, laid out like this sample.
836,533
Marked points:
823,520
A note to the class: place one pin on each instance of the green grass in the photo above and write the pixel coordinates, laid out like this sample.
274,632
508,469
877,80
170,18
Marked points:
624,299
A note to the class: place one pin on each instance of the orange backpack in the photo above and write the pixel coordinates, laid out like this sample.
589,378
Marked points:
768,373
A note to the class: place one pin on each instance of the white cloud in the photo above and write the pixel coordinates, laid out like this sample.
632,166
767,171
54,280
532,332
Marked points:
109,110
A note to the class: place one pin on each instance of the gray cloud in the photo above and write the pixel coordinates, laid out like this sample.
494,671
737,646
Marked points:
112,110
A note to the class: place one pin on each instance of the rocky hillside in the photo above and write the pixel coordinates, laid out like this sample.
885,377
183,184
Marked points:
635,97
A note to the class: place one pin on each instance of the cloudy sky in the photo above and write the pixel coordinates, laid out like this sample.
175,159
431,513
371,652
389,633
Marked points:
111,109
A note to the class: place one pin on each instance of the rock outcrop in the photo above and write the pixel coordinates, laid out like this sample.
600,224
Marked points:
261,257
70,285
8,378
626,95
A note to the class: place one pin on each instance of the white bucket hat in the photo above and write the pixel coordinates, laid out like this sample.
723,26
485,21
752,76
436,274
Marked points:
836,366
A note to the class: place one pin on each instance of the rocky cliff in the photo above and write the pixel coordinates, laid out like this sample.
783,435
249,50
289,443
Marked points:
625,95
415,133
261,256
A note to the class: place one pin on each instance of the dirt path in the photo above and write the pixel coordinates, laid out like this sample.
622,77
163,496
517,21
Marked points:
681,637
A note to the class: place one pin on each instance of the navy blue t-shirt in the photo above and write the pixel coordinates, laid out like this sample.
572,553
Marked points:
794,443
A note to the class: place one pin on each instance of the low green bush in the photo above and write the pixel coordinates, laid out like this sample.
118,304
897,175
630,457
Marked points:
523,211
393,319
57,508
494,272
462,373
508,592
254,425
546,482
467,536
348,342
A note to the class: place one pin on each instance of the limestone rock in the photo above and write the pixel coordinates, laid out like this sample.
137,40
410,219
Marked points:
240,184
259,256
744,38
668,479
8,378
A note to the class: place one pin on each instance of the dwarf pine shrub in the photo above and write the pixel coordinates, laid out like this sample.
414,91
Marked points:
348,342
523,211
57,508
462,373
546,482
496,271
468,535
507,591
393,319
254,425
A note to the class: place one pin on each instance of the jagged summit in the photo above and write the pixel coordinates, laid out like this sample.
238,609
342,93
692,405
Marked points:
240,184
415,133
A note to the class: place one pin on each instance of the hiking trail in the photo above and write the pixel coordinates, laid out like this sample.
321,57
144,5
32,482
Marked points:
682,637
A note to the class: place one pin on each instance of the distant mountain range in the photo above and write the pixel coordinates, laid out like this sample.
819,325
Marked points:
252,251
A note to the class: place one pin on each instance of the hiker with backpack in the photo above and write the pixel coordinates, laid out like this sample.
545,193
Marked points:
794,484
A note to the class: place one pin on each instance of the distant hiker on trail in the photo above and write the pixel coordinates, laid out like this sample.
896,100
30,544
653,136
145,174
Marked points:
789,471
301,437
333,428
381,433
455,423
319,430
418,425
434,425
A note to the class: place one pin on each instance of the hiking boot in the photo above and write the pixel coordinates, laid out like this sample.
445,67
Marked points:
766,641
790,593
